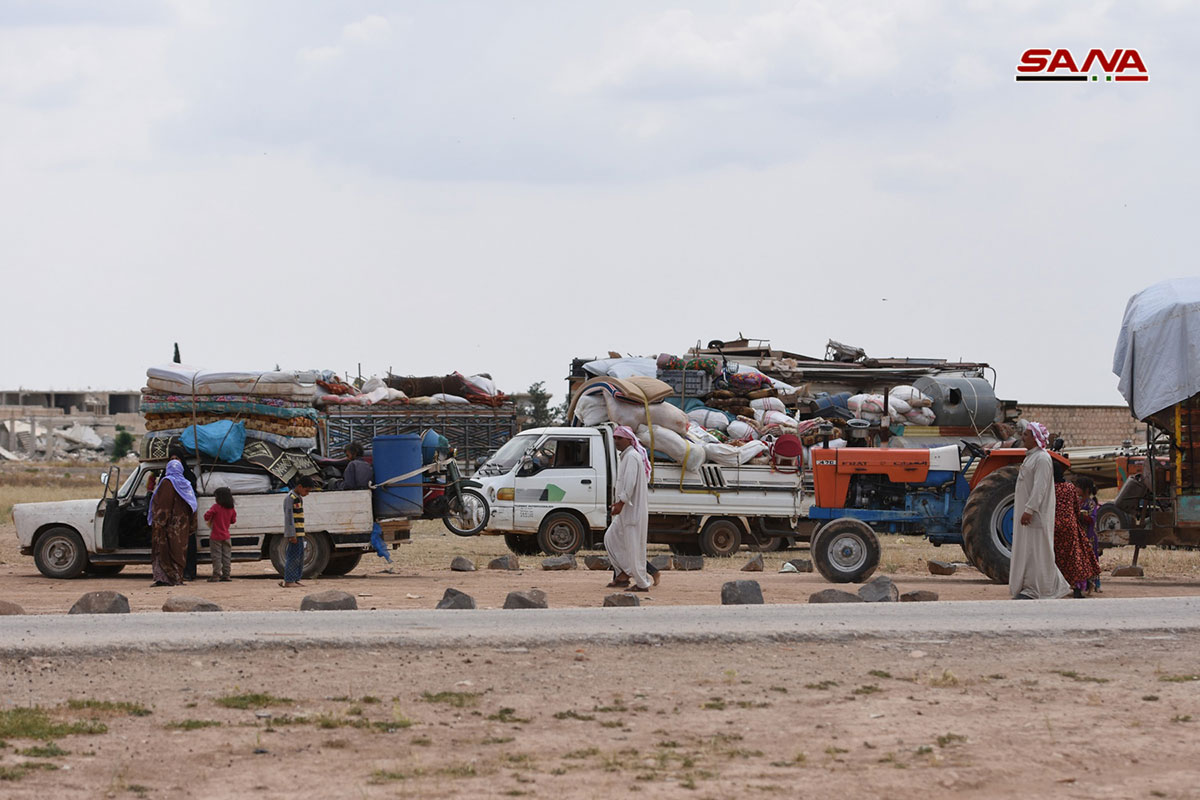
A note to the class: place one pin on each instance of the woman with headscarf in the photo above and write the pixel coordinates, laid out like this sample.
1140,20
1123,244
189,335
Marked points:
625,539
1032,573
1072,550
172,517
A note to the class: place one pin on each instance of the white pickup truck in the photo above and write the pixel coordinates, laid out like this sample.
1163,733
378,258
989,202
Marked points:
550,490
70,537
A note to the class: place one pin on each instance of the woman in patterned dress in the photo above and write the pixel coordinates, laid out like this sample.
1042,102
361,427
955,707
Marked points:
1072,551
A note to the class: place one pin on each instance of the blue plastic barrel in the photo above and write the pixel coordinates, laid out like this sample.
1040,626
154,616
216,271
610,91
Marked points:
393,456
431,443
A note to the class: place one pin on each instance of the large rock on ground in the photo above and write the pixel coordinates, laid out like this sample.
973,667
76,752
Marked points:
533,598
800,564
663,562
565,561
941,568
622,599
453,598
183,602
755,564
1129,571
879,589
462,564
834,596
919,596
8,609
508,562
741,593
688,563
597,562
103,602
329,600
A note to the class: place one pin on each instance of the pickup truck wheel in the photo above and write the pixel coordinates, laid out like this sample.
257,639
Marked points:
845,550
721,538
561,533
343,563
317,548
59,553
104,570
468,516
988,521
522,544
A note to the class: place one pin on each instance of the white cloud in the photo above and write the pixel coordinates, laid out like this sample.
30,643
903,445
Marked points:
370,30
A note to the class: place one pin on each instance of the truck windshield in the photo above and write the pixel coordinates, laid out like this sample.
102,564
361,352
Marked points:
507,456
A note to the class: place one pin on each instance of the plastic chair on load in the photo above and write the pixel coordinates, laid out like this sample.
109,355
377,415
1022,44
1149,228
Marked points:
787,453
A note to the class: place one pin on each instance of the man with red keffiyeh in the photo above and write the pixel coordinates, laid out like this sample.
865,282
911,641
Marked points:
1032,574
625,539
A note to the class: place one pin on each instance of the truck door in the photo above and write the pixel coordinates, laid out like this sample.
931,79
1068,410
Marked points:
558,473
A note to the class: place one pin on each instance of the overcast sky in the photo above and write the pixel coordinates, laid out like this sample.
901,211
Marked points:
501,186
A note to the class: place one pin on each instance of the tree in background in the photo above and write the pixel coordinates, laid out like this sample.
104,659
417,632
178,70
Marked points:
122,443
535,408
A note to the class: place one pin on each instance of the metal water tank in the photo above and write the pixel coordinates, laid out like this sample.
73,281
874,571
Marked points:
962,402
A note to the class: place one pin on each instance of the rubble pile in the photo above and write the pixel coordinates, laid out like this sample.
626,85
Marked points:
20,439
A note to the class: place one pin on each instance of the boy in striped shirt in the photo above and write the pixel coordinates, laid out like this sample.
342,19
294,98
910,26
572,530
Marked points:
293,531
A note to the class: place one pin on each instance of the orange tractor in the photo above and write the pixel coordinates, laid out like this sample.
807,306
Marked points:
862,490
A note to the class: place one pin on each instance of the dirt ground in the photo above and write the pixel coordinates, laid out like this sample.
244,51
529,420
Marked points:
423,571
1108,716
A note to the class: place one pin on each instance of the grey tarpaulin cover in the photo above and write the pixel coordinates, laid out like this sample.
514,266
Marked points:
1158,351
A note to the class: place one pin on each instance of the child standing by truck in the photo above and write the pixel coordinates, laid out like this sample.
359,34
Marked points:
293,531
219,518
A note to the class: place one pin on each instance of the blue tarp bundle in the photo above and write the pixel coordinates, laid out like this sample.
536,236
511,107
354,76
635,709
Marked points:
223,440
1158,350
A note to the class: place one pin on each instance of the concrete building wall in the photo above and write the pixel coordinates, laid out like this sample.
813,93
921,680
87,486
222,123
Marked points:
1087,426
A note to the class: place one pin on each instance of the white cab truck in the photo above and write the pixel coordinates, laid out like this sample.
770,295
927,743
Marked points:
551,489
100,537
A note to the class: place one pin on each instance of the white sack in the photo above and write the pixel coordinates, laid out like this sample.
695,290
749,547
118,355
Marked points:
709,419
623,367
662,415
377,395
920,416
866,404
394,395
482,385
738,429
775,418
898,407
591,410
675,447
371,384
236,482
728,455
911,395
449,399
768,404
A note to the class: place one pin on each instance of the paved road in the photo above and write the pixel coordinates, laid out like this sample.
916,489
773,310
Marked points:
54,634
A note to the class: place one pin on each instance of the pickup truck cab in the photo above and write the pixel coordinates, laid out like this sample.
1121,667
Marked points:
550,490
102,536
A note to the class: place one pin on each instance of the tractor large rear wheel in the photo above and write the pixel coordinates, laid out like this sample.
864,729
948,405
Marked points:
987,526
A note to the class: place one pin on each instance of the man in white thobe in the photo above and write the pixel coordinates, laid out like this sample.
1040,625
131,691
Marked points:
625,539
1033,575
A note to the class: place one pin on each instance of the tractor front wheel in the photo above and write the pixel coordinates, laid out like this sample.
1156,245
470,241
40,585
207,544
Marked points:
845,550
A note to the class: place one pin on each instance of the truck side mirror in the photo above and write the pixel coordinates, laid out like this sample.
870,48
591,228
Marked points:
104,478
